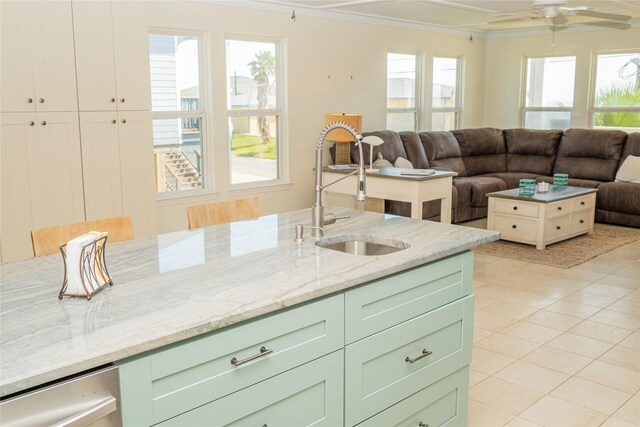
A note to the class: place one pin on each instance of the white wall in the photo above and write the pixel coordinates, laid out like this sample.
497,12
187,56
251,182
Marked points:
505,61
352,53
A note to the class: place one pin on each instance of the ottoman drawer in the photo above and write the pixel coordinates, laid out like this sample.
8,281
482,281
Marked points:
514,207
581,221
556,228
558,209
584,202
517,229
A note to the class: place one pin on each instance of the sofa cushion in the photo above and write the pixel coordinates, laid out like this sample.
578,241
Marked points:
619,196
442,150
512,179
591,154
478,187
483,150
531,151
613,217
631,146
391,149
414,149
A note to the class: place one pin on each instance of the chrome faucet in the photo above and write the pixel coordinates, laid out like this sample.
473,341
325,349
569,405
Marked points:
318,219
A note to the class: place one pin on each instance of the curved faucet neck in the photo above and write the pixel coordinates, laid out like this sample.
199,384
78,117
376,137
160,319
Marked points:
317,215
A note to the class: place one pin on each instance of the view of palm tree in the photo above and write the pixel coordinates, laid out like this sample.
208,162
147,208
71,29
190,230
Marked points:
262,68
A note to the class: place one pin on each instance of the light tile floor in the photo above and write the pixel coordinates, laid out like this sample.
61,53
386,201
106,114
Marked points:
557,347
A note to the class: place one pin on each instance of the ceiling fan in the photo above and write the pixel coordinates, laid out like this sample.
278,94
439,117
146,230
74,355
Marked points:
558,11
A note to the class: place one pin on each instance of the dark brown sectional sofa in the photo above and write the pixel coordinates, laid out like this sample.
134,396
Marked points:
489,159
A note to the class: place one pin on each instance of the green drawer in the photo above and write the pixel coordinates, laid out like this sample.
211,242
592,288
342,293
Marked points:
441,404
164,383
392,300
308,395
377,372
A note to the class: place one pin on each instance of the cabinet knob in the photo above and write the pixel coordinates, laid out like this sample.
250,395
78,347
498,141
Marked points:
421,424
41,100
113,121
581,203
43,123
558,227
582,221
559,208
121,99
29,100
113,100
31,123
515,208
124,120
514,226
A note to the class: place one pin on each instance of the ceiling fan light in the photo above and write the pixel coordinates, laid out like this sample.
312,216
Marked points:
550,11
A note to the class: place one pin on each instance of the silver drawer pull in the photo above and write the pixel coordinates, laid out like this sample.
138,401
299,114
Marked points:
263,352
421,424
425,353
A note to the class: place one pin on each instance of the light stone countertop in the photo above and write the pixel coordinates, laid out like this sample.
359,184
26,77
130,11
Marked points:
178,285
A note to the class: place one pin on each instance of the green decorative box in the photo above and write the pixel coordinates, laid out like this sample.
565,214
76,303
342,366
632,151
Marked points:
527,187
560,181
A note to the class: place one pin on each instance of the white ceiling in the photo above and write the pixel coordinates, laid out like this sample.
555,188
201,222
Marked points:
471,15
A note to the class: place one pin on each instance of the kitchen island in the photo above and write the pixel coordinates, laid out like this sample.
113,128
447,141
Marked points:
179,288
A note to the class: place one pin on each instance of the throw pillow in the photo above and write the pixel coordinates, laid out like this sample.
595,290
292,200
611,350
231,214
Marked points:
630,170
403,163
382,163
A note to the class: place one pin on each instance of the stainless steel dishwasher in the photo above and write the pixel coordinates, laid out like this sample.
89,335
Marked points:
90,399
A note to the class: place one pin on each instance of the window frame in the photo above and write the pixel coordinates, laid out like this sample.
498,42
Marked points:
201,113
523,90
418,109
592,109
279,113
458,98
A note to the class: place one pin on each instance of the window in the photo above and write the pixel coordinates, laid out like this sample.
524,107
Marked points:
177,111
402,89
548,92
445,104
253,110
616,102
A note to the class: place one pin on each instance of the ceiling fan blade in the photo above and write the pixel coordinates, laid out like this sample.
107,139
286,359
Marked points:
602,15
513,19
559,19
573,8
609,24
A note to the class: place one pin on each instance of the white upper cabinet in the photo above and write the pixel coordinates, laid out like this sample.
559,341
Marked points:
112,56
41,176
38,63
118,167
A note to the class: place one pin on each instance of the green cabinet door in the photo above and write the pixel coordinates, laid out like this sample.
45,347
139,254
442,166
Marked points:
441,404
308,395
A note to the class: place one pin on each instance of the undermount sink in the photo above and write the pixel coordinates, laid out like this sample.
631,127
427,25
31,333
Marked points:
362,245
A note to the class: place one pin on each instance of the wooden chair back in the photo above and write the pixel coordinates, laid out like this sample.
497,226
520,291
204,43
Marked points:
224,211
47,241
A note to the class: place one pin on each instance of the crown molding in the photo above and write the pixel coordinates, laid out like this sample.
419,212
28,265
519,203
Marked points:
276,6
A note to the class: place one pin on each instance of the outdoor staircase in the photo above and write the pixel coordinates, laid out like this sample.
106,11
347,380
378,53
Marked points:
181,174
